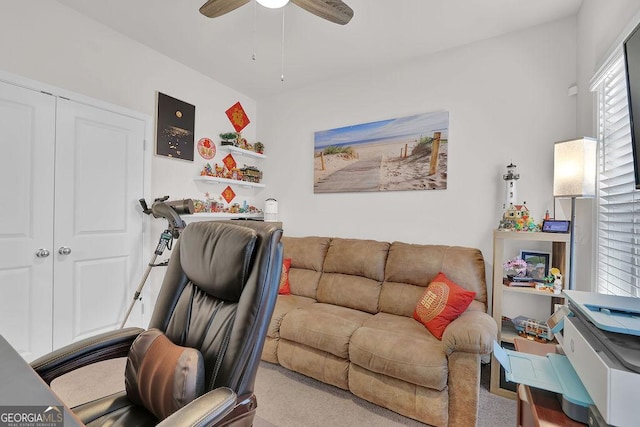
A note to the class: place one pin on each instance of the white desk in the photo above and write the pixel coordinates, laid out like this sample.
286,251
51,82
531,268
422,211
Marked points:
20,385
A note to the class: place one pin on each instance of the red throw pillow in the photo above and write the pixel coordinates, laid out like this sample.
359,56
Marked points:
284,288
441,303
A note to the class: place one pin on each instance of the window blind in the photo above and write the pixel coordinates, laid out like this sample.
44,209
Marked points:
618,264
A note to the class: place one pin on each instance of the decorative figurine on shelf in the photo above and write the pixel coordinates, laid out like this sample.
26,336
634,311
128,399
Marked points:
243,143
515,216
259,147
557,280
511,211
515,267
510,193
198,206
229,138
206,170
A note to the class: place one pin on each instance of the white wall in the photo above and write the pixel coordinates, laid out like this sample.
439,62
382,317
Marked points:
52,44
507,99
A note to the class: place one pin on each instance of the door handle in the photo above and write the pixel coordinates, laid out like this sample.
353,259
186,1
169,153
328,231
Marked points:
42,253
64,250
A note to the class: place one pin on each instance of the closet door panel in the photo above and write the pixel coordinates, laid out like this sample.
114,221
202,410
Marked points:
99,179
27,140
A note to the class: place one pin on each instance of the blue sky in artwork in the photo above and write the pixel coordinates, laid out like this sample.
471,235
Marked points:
411,126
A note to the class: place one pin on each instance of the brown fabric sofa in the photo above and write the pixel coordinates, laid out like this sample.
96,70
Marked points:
348,322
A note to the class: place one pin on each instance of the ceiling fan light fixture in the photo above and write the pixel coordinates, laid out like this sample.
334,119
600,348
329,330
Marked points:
273,4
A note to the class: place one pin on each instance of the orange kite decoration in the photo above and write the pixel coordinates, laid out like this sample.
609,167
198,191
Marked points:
237,116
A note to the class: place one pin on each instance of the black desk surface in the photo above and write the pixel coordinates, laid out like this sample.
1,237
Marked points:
21,386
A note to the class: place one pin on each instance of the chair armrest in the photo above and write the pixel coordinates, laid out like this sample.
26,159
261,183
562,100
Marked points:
472,332
108,345
207,410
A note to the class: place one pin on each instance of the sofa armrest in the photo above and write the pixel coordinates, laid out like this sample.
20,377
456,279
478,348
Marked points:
472,332
108,345
207,410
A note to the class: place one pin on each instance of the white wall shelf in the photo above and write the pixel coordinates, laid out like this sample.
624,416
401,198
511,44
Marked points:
207,216
242,151
227,181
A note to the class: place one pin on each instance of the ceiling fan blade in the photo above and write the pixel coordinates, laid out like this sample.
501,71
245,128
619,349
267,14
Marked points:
215,8
331,10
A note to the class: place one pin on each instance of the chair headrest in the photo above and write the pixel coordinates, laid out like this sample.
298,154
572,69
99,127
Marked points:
217,257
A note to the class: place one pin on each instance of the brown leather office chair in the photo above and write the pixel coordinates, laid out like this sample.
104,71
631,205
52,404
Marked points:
205,336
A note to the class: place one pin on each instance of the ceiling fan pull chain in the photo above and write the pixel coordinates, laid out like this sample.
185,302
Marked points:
282,75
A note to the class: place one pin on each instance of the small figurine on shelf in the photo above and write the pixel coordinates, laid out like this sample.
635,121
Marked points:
251,174
515,267
206,170
198,206
229,138
259,147
243,143
557,280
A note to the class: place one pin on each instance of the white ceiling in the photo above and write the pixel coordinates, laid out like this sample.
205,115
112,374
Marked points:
382,32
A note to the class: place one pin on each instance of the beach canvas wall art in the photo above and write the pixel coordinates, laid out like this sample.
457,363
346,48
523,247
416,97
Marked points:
408,153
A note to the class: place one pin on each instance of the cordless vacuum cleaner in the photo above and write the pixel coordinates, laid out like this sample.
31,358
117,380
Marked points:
171,211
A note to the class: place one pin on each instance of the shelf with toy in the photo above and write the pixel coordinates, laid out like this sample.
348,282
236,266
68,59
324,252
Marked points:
242,151
204,216
529,290
228,181
535,302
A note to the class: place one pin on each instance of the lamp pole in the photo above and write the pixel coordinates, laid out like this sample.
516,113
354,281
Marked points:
572,245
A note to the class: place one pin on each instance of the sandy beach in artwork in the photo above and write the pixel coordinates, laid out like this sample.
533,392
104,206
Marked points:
397,172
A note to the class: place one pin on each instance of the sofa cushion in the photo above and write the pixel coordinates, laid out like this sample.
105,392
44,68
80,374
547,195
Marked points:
357,257
306,252
353,274
410,268
303,282
285,304
324,327
441,303
284,287
400,347
307,256
314,363
359,293
421,403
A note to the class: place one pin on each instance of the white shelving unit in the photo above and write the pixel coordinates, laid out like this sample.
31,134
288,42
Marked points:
227,181
213,180
242,151
522,301
210,216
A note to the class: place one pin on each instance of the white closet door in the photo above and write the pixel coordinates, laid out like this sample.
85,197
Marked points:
27,142
98,221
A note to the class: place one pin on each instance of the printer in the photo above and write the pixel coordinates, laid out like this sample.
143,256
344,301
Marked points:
602,341
598,376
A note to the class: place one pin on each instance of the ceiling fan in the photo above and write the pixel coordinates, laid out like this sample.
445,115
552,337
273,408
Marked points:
332,10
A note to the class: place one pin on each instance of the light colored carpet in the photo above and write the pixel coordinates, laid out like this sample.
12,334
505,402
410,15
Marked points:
287,399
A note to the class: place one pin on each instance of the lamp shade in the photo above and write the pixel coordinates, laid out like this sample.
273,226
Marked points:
574,168
273,4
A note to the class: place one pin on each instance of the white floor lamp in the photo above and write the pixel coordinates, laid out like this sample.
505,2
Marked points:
574,175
